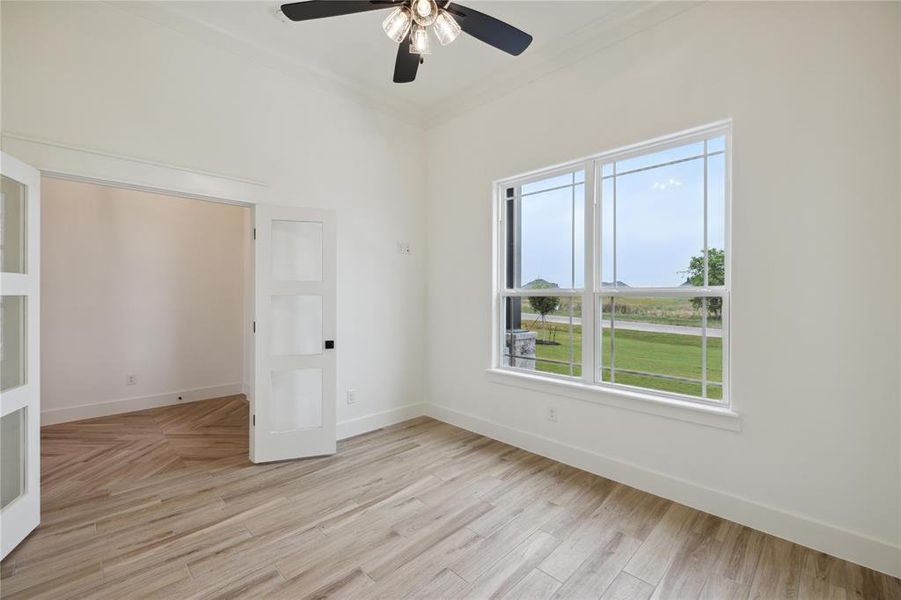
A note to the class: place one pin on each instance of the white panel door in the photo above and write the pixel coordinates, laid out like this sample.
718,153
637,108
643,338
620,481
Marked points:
20,407
293,398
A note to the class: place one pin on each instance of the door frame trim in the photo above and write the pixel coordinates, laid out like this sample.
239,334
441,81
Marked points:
71,163
62,161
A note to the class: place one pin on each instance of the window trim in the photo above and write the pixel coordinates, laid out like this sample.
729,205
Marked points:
589,382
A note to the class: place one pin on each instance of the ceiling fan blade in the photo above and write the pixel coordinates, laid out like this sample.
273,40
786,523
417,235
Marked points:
320,9
490,30
407,63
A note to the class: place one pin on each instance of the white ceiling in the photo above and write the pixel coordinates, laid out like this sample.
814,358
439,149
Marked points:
354,52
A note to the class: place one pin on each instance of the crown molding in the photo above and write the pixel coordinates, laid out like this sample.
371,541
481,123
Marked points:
161,14
626,20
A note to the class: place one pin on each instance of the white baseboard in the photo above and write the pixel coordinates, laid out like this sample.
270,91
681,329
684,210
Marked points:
848,545
115,407
378,420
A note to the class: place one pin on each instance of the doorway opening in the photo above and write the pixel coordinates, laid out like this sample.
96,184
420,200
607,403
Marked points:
147,300
197,298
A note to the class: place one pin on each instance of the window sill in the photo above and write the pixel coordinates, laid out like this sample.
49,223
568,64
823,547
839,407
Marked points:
711,416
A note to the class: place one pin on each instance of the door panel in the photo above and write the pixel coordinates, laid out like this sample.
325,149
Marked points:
293,399
20,412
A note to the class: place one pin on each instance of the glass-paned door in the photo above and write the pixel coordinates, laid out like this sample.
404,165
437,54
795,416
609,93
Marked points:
293,400
19,351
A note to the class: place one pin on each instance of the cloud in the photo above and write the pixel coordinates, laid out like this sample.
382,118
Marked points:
666,184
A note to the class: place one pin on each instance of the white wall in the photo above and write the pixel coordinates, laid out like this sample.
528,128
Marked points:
813,90
137,283
96,76
814,93
898,45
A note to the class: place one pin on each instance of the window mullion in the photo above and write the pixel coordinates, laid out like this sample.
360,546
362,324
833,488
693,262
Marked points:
614,284
706,250
704,347
589,208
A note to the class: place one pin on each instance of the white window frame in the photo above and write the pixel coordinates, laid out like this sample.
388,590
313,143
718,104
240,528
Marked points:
590,385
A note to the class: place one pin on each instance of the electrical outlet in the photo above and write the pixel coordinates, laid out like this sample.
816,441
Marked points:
131,379
351,397
552,414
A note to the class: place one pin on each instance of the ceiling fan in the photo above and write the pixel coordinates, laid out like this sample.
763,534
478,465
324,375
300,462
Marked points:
409,22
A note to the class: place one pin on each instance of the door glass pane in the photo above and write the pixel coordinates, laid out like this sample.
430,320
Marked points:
12,341
12,226
296,325
296,400
13,433
296,251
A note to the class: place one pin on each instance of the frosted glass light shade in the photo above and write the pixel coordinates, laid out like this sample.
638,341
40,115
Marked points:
446,28
419,42
424,12
397,25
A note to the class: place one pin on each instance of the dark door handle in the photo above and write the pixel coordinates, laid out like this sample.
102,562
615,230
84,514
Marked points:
329,344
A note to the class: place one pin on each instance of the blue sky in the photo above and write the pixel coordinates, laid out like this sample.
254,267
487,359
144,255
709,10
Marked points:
659,213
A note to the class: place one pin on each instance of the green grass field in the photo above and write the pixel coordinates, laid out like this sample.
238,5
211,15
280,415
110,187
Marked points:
667,311
660,353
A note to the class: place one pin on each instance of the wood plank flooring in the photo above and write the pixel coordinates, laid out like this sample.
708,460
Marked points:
165,504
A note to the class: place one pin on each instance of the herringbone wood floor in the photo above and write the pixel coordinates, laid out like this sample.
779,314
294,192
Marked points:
164,503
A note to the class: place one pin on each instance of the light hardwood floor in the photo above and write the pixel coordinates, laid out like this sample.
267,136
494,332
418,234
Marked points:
164,503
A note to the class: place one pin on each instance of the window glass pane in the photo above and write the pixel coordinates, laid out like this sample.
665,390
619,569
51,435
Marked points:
13,205
607,305
546,184
716,218
12,341
607,276
548,238
654,343
579,236
717,144
714,349
659,224
544,333
660,157
607,170
13,433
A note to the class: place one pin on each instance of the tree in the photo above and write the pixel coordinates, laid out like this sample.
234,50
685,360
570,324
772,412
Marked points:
544,305
716,275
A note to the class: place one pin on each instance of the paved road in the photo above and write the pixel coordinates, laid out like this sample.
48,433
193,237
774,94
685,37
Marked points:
632,325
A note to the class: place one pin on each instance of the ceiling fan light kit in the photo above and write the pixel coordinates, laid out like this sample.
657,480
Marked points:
419,41
397,25
424,12
446,28
409,22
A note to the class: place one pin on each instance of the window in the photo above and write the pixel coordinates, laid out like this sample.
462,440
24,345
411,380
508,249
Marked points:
613,271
